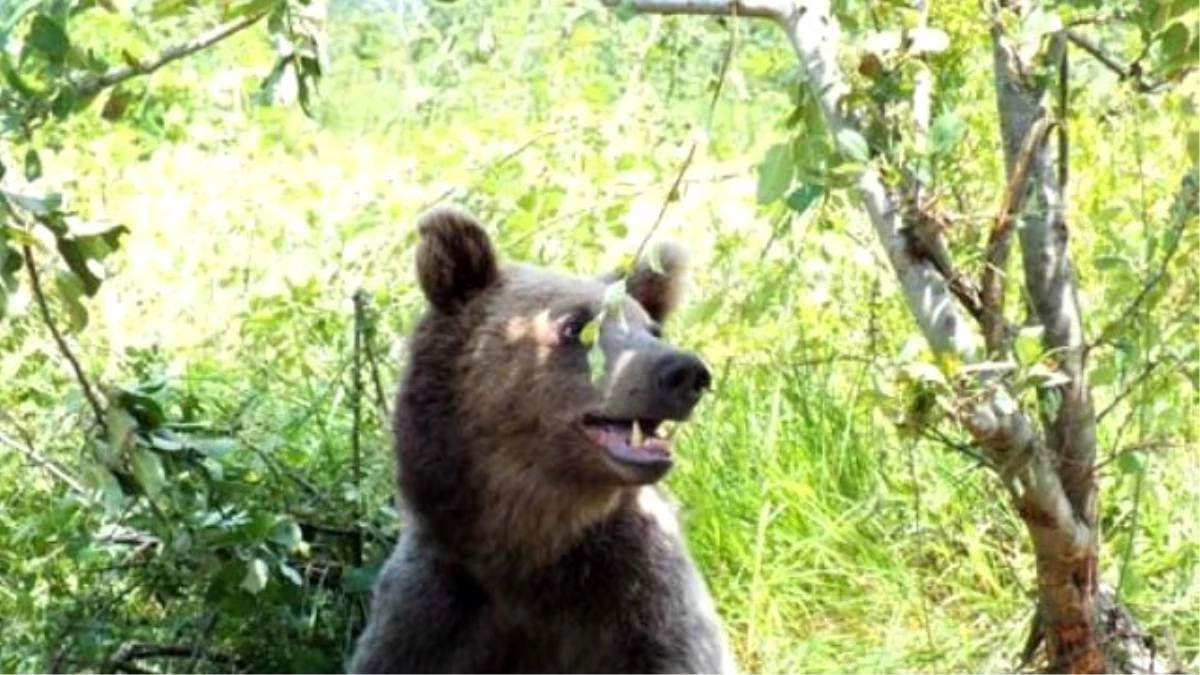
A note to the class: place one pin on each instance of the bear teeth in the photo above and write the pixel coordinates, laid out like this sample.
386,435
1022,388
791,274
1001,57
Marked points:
638,437
667,429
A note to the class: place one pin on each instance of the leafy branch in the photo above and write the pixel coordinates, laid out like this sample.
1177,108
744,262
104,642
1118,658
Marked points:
95,84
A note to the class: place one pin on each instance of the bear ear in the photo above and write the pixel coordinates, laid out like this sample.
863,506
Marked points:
657,280
455,258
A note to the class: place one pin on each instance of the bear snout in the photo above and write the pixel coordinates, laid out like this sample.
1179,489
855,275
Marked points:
680,379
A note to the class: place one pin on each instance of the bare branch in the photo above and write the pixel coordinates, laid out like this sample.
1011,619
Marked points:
356,395
1132,72
114,76
673,193
65,349
1000,240
1144,374
49,465
760,9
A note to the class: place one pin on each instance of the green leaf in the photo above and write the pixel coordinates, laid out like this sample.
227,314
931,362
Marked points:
624,11
160,441
1193,147
775,173
251,7
33,165
162,9
69,288
38,206
214,447
360,579
256,577
82,251
1109,262
1131,462
853,145
591,331
148,469
11,262
595,358
146,409
287,534
49,38
290,574
111,494
120,425
803,197
945,133
1175,40
1028,345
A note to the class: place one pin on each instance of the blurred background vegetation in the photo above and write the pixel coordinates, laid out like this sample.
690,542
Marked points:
242,526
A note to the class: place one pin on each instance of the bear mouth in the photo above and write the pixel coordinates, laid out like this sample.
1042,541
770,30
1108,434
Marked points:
633,442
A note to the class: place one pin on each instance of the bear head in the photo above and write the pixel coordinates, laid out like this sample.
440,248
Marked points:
506,431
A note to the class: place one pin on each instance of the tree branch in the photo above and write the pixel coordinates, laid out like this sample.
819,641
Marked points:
759,9
815,36
114,76
40,295
356,395
1000,241
52,467
1131,72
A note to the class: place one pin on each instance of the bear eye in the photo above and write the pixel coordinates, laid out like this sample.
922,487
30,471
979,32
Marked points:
656,331
572,328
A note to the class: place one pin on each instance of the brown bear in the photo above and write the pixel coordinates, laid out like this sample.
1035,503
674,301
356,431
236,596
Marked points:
534,537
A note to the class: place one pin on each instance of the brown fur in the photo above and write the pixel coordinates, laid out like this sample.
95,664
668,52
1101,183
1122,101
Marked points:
525,548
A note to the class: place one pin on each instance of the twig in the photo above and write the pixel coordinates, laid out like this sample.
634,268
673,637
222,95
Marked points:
673,193
759,9
114,76
1138,380
1000,239
49,465
1132,72
373,364
36,282
1140,447
497,162
360,302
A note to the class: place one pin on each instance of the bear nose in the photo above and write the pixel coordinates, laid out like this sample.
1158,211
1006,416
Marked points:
683,378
